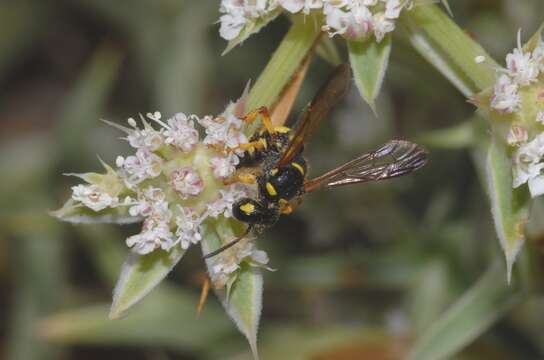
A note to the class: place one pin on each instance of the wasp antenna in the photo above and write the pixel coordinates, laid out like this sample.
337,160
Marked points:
228,245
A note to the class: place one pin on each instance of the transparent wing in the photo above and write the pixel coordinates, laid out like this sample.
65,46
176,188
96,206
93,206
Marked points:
325,99
394,158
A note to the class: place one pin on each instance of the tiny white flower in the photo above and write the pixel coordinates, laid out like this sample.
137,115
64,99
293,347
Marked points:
143,165
295,6
187,182
187,231
393,8
540,117
223,206
93,197
527,161
147,137
517,136
225,130
382,26
149,201
155,232
505,97
521,66
151,238
181,133
224,167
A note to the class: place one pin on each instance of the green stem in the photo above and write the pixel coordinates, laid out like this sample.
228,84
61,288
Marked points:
285,61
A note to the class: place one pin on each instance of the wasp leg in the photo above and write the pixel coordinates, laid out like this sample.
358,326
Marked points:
243,178
203,295
267,121
251,146
287,207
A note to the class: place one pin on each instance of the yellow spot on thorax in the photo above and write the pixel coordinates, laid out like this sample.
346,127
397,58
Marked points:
274,171
248,208
298,167
282,129
271,190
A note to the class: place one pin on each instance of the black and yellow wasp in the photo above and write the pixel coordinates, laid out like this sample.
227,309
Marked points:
274,160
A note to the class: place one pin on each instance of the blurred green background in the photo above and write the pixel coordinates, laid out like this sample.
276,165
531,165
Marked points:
363,272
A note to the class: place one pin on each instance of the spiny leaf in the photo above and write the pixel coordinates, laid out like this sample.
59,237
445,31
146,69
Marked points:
369,61
242,299
478,308
252,28
449,49
509,206
139,275
78,214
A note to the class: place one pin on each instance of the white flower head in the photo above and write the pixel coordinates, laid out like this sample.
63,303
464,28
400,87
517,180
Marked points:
187,182
224,167
93,197
187,231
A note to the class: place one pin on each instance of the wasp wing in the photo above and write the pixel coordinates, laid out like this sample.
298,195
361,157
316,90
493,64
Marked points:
392,159
325,99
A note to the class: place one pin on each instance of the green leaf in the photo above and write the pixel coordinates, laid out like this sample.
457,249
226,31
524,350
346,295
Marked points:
469,317
252,28
287,58
166,319
242,299
326,48
449,49
77,214
139,275
369,61
509,207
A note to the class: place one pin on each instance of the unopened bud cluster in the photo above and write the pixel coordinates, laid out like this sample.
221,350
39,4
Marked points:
518,99
173,182
353,19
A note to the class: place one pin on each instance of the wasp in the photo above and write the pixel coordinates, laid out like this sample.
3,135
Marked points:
282,171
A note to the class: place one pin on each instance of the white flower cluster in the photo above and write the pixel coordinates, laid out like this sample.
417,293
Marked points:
165,176
353,19
522,69
515,86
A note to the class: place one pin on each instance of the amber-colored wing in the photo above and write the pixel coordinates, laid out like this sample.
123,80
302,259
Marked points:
394,158
325,99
